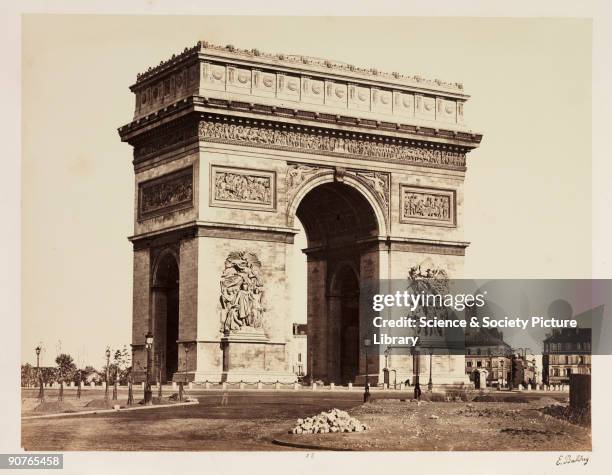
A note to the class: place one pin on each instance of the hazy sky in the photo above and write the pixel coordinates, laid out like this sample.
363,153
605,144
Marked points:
528,188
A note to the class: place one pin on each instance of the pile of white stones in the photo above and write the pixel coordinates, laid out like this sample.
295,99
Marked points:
325,422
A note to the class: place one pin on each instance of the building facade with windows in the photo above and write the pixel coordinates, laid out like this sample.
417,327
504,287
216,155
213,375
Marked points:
567,351
486,350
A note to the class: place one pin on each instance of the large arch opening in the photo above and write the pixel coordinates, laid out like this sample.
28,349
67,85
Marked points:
165,293
340,227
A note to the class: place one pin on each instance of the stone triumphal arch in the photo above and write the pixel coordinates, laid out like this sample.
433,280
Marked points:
230,148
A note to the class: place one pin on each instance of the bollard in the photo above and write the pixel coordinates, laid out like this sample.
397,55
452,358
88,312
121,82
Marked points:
296,386
206,384
224,386
276,385
92,385
528,387
259,385
314,386
331,386
241,385
350,386
401,386
174,386
385,386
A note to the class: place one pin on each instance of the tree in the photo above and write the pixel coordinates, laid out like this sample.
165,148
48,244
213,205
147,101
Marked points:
28,375
122,363
65,371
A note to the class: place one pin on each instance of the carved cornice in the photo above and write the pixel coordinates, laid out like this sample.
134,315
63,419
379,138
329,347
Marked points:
133,131
344,144
301,61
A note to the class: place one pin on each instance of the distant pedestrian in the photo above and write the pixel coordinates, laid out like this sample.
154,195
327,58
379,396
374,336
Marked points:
417,391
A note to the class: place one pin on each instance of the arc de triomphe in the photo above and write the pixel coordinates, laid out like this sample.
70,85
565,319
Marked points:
230,147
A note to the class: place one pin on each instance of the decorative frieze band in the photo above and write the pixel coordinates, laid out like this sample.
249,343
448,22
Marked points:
344,144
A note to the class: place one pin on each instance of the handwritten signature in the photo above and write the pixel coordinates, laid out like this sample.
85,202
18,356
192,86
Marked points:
567,459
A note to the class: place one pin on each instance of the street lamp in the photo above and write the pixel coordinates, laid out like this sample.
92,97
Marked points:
366,391
148,396
130,400
430,383
107,373
502,366
41,391
115,382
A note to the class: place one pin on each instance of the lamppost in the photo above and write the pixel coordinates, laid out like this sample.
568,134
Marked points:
115,382
148,396
41,391
130,400
502,373
159,375
80,377
186,361
366,391
107,373
430,383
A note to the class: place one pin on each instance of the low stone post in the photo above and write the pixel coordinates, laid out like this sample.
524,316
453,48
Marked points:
401,386
350,386
190,385
241,385
331,386
276,385
174,386
206,384
314,386
296,386
224,385
259,385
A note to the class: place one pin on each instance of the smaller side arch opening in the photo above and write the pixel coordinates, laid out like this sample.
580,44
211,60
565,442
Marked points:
165,325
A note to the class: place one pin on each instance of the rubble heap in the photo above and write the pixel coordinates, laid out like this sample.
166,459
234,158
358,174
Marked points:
325,422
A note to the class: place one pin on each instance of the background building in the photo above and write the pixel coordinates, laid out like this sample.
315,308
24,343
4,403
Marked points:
566,351
486,349
300,349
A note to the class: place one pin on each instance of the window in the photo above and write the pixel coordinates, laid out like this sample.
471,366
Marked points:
479,364
469,364
299,357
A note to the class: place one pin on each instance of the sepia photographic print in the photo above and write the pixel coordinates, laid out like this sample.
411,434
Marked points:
302,235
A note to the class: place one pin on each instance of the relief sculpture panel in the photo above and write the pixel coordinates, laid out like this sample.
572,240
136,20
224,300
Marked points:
165,194
427,206
243,188
242,294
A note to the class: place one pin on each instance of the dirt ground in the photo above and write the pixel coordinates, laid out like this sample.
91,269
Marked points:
486,426
252,421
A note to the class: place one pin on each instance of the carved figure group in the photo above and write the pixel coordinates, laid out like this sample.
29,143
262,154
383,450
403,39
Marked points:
424,205
242,187
165,194
241,292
